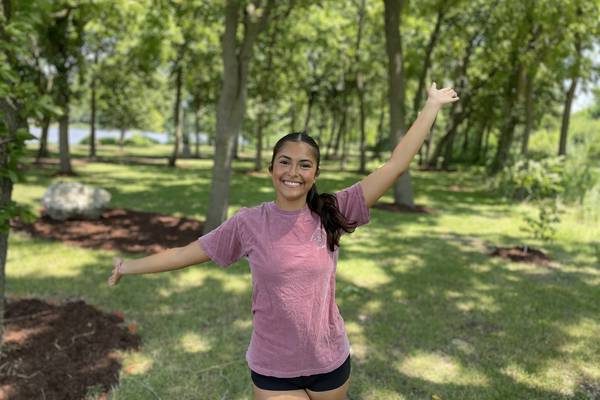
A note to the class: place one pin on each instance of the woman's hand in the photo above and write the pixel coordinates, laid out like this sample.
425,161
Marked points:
115,277
441,96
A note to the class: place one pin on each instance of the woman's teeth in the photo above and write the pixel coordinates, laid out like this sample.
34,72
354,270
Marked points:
291,184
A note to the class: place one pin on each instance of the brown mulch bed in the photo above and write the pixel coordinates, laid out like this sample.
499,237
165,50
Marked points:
416,209
118,229
61,351
522,254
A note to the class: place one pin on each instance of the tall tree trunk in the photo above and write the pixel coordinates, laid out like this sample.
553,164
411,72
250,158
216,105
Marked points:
344,156
566,116
433,38
236,145
293,117
230,111
93,109
177,114
529,113
564,127
396,91
486,142
331,133
43,149
341,130
186,152
63,124
93,118
312,96
512,93
465,145
122,133
5,199
380,134
259,139
360,90
10,111
197,132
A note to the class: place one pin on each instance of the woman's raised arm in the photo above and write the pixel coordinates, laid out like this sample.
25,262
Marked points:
380,180
168,260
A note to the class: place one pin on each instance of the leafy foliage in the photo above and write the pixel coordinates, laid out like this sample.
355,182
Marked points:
544,225
568,178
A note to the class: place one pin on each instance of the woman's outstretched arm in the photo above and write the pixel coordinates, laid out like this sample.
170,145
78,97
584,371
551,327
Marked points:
168,260
380,180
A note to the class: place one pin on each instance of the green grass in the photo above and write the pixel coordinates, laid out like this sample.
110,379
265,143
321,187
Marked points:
426,310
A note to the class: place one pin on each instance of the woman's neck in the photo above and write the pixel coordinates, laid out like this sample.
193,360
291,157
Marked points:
288,205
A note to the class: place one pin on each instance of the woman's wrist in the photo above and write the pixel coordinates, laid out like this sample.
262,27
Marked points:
120,267
433,105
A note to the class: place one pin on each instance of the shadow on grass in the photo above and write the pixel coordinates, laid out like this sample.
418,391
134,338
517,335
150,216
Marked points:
456,307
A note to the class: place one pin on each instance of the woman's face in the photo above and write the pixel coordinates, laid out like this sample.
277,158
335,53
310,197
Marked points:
294,172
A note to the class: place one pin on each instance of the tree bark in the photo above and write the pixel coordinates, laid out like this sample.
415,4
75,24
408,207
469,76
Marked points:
63,124
186,152
564,127
43,149
5,199
332,132
312,96
230,111
529,112
93,109
396,93
177,114
93,119
10,110
435,34
197,132
512,93
360,90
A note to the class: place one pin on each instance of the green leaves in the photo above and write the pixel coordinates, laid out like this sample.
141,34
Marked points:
12,210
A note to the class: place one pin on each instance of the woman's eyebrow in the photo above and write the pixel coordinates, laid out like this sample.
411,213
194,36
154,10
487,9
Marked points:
289,158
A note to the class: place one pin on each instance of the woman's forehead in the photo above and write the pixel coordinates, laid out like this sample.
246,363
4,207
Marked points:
297,150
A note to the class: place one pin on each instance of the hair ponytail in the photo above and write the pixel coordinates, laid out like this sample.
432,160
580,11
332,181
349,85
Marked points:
325,206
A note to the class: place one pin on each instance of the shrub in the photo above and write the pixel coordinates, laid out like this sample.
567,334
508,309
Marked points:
554,177
544,225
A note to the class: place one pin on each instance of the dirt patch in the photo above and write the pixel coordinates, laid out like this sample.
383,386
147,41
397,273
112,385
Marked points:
522,254
57,351
416,209
118,229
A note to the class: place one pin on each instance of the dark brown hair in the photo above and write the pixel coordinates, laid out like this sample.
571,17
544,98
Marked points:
323,204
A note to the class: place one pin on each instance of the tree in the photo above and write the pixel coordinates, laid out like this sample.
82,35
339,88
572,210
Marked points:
396,92
230,111
19,100
62,43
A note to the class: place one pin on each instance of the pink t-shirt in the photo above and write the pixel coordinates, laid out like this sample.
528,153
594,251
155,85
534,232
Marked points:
297,326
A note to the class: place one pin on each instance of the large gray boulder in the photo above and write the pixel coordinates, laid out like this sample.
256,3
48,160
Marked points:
64,200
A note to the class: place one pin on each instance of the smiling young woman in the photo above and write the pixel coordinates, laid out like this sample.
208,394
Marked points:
299,348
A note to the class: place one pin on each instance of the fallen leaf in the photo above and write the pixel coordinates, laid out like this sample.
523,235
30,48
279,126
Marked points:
132,328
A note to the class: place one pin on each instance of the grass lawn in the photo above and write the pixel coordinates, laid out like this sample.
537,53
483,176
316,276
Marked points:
428,313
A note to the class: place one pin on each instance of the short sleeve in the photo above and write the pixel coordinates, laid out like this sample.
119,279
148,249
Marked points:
352,204
224,245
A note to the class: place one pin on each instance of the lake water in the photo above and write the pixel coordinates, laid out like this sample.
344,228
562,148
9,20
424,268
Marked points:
77,134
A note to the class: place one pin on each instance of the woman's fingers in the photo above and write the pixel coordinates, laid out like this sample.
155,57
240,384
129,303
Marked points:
115,276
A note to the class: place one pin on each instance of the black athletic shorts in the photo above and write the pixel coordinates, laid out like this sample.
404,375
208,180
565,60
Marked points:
317,383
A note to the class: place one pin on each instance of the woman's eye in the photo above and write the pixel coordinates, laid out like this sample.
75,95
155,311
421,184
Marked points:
305,166
283,162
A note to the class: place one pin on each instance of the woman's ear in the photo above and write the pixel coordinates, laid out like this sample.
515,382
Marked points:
270,168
